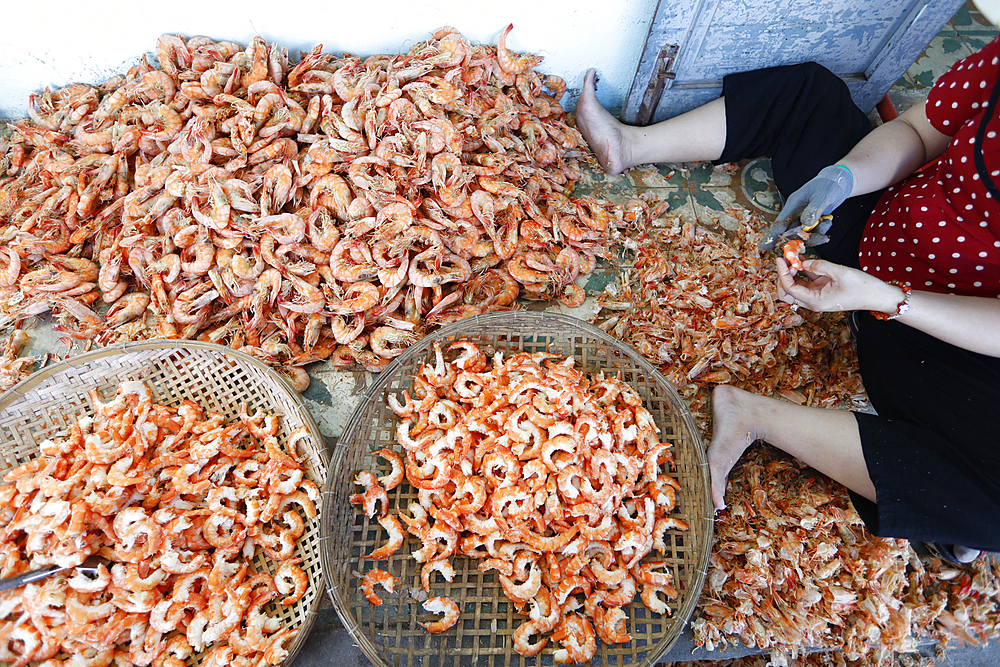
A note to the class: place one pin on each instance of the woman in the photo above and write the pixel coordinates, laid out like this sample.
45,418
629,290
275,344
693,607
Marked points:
913,254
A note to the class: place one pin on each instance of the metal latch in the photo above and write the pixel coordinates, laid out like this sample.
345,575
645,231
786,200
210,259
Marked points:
662,71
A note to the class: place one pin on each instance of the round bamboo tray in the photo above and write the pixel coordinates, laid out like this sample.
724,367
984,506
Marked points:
220,379
389,635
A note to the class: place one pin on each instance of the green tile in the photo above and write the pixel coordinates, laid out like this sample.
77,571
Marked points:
962,18
905,82
757,183
678,199
978,42
949,29
671,177
943,52
600,278
700,172
968,21
595,181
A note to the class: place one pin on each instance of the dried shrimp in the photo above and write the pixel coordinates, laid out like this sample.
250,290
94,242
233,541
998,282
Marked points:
14,368
337,206
179,502
793,567
703,307
792,252
555,481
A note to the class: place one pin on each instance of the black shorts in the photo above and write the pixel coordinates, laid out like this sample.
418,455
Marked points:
933,450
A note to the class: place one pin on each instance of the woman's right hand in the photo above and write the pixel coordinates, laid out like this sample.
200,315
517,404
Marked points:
818,197
833,288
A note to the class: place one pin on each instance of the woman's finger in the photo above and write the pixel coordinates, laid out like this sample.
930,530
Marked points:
786,282
816,268
783,295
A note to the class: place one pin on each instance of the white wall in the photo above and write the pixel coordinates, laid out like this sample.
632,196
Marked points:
60,42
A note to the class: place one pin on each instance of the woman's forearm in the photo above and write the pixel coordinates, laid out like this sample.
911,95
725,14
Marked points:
969,322
893,151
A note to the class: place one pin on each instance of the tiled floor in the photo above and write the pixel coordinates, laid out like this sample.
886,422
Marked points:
698,192
965,34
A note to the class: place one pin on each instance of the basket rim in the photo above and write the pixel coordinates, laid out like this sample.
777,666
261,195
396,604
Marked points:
521,320
19,391
46,373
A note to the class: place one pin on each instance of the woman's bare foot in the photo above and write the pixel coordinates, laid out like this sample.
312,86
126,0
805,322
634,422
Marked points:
733,431
604,133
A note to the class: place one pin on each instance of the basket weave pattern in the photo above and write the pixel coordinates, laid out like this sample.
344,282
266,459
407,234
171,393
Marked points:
390,635
219,379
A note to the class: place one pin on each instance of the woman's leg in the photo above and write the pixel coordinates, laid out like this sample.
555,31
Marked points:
801,116
827,440
698,135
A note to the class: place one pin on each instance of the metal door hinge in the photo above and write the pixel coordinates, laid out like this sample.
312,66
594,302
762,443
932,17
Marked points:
662,71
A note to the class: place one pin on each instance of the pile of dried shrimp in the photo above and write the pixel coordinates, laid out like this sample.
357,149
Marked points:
338,206
551,478
817,659
178,502
793,567
14,368
703,307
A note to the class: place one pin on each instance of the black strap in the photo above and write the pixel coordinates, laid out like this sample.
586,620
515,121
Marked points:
977,149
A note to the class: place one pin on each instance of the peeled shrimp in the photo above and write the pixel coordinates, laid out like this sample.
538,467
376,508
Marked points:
396,534
291,581
378,577
441,605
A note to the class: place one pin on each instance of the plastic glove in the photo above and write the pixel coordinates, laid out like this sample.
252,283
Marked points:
818,197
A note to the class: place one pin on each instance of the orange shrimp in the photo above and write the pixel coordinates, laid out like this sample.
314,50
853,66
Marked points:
393,479
127,308
576,634
396,534
291,581
441,605
372,494
610,625
651,598
375,577
511,63
793,253
442,565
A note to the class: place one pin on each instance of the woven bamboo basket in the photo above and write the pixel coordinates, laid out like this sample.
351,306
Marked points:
218,378
389,635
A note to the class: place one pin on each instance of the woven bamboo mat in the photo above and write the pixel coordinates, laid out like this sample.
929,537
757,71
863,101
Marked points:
389,634
220,379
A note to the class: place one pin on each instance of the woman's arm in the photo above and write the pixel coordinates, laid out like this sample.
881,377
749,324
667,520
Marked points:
893,151
887,155
969,322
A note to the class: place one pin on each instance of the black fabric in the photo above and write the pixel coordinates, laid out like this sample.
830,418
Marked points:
933,451
802,117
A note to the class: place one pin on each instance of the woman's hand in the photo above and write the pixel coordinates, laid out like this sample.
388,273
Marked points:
970,322
832,288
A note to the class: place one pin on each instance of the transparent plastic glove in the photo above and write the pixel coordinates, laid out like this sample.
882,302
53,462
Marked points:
818,197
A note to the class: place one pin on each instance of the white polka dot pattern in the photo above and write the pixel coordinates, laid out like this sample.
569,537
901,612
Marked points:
947,237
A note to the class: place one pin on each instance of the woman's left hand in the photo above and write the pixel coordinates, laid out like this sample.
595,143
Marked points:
831,288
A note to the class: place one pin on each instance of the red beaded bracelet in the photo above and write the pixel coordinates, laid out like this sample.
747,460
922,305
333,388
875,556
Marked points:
903,306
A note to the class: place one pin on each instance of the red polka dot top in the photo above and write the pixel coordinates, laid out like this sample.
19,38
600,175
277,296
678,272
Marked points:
939,230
